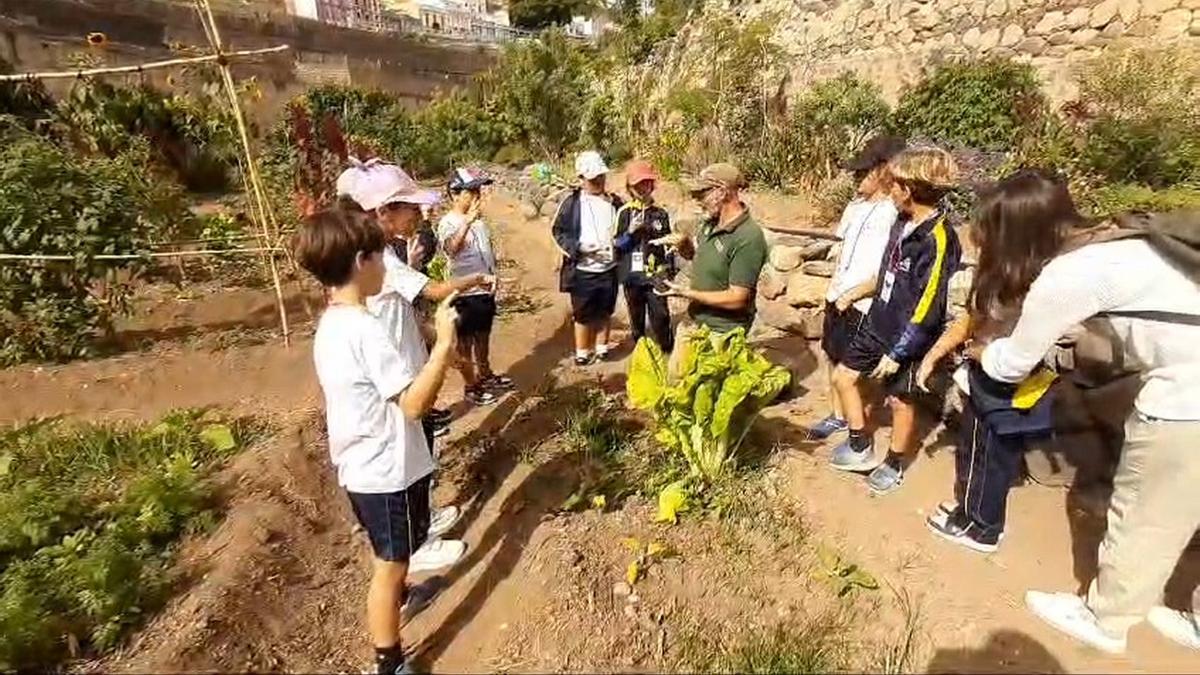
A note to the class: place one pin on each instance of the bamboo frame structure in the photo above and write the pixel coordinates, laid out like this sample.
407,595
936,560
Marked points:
261,213
155,65
38,257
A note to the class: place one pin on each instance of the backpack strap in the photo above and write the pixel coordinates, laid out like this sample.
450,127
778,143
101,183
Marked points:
1154,315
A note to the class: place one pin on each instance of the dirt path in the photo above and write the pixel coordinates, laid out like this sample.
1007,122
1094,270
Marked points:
280,584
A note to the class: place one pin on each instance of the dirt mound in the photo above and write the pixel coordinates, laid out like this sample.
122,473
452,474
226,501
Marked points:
245,592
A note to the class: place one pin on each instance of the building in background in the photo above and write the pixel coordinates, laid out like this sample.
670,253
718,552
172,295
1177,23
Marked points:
361,14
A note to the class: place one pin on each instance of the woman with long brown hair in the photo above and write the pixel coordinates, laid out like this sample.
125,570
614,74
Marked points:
1020,224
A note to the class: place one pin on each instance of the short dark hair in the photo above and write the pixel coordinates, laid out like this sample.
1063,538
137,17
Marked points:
329,241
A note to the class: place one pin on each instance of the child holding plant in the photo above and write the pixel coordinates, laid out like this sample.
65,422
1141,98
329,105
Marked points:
375,396
641,262
906,315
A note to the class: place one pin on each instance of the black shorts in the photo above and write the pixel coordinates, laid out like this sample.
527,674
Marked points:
593,296
397,523
863,354
476,314
839,331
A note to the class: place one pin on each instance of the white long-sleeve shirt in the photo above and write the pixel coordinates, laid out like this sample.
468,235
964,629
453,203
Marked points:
1123,275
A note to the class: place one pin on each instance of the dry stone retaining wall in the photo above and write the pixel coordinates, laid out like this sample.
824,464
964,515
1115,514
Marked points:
891,41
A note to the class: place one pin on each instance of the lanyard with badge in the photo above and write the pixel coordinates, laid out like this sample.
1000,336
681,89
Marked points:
889,275
637,259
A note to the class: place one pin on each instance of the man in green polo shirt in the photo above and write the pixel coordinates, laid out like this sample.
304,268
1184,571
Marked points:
727,255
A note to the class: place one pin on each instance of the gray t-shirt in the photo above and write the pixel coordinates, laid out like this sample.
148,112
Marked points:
476,255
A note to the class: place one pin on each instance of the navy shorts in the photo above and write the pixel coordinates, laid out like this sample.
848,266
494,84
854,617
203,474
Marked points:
839,331
593,296
476,314
863,354
397,523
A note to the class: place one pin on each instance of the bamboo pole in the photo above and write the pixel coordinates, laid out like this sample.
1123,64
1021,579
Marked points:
171,63
35,257
261,210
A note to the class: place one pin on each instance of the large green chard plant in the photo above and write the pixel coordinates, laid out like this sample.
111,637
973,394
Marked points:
705,410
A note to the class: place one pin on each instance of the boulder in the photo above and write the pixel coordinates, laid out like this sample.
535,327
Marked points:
805,291
1175,23
959,288
1084,36
780,316
1104,13
1129,10
1156,7
785,258
1049,23
1079,17
818,250
1032,45
818,268
1012,35
772,284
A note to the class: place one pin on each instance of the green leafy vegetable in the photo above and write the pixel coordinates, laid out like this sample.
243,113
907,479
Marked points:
706,409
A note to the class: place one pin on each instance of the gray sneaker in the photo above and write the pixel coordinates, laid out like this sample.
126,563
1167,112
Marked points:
885,478
846,458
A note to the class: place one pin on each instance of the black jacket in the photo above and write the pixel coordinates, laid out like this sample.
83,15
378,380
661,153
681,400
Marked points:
656,224
909,306
566,234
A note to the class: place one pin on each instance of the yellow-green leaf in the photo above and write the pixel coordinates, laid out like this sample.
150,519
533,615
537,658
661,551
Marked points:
219,436
647,376
599,502
632,544
633,572
656,550
6,461
671,502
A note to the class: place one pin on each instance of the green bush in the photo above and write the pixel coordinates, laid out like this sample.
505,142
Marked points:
452,130
193,136
827,125
1109,200
984,104
56,203
540,89
90,515
1142,117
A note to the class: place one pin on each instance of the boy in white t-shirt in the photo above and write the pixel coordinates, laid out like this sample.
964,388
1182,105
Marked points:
864,229
375,396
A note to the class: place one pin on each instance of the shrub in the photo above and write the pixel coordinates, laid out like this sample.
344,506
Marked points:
450,131
52,202
1109,200
193,136
1142,117
540,89
828,124
90,514
983,104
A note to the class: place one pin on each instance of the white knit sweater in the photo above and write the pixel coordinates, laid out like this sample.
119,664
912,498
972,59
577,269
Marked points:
1123,275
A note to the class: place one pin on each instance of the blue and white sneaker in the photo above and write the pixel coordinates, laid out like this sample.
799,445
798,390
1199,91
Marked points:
886,477
846,458
827,427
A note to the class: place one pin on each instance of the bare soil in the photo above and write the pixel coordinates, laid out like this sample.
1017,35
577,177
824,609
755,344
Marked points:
279,585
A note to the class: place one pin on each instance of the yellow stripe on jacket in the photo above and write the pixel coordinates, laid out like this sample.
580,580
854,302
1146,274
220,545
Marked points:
935,275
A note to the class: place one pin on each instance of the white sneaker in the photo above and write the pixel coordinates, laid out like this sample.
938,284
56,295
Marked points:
443,519
1070,614
436,554
1179,626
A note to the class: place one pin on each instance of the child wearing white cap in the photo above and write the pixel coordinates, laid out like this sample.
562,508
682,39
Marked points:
583,229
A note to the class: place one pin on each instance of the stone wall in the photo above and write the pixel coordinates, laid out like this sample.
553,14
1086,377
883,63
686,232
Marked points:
891,41
38,35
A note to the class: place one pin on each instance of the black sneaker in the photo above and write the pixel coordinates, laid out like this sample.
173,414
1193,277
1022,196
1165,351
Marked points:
957,528
439,416
500,383
441,429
